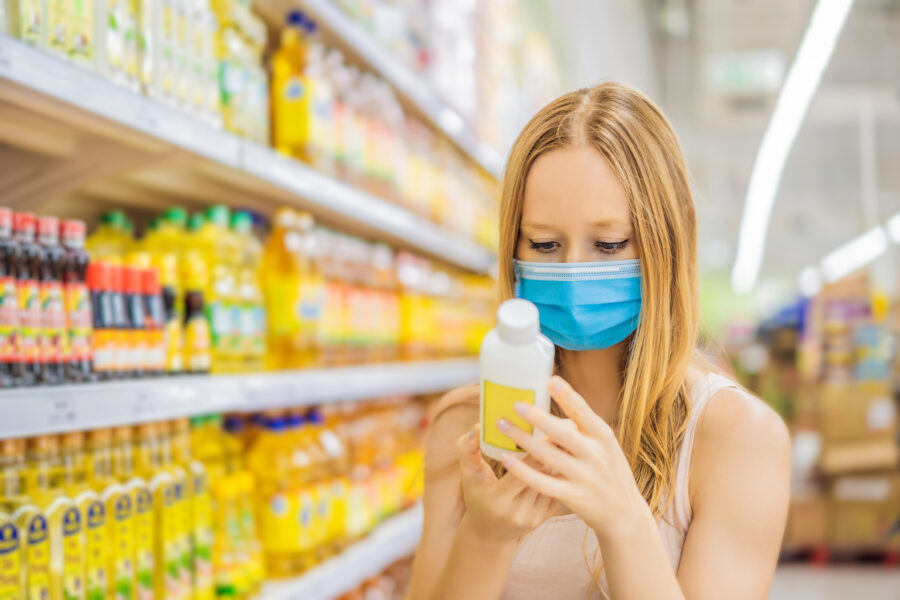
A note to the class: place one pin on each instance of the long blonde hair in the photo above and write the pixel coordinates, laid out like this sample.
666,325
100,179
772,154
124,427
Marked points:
640,146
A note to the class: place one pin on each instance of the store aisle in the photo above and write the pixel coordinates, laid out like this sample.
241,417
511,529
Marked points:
803,582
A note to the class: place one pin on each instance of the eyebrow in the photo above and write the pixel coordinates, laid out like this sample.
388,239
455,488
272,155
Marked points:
600,223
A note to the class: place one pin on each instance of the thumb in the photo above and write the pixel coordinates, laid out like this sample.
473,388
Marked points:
471,463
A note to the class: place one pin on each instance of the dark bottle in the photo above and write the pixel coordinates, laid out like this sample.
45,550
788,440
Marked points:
122,363
9,302
103,340
54,348
151,290
135,322
79,320
28,272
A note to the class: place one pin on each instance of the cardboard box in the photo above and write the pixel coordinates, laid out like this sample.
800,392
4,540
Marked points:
807,522
857,412
864,511
853,457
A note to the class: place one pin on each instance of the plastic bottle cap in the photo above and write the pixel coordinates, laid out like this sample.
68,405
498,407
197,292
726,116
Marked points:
116,218
150,282
175,216
154,223
116,279
73,228
195,222
296,18
518,321
6,218
132,280
234,423
314,417
310,26
218,215
294,420
98,276
276,424
48,225
242,222
23,221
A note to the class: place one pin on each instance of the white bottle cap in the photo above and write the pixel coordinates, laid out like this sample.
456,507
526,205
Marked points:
518,321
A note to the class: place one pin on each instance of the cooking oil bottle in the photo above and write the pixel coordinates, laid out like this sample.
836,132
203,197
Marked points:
249,318
181,507
219,250
78,473
32,520
306,468
12,540
110,241
281,281
198,511
135,534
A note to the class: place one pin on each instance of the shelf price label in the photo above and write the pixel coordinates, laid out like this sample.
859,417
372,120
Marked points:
62,412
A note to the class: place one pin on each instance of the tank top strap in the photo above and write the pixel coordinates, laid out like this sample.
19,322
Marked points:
698,397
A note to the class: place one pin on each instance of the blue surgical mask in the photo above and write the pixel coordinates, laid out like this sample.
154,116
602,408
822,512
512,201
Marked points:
583,306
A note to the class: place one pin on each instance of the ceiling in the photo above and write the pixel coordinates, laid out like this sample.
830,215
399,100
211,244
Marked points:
820,203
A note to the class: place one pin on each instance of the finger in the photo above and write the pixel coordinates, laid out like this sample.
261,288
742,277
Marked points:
560,431
574,406
549,455
471,463
539,482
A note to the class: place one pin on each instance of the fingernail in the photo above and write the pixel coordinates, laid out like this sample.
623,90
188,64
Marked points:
470,436
502,424
521,408
506,459
555,384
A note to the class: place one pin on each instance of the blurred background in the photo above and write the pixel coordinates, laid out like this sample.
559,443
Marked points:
272,196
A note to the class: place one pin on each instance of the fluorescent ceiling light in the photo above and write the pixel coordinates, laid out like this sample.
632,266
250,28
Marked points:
856,253
893,228
809,282
815,51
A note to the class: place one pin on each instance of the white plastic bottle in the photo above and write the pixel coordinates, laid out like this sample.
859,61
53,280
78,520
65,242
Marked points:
516,365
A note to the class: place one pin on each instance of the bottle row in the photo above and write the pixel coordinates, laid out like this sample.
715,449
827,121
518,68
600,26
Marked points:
202,509
206,295
210,57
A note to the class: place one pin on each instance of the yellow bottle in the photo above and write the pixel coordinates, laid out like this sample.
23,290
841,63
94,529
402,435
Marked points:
218,246
281,282
272,462
167,555
95,538
134,530
199,511
12,539
63,519
32,522
291,97
247,545
177,520
318,477
249,317
336,483
224,466
306,464
108,522
110,241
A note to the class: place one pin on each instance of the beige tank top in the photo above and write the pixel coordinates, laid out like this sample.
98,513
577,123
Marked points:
556,559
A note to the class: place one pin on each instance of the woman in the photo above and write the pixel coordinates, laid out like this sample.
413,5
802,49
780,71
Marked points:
657,478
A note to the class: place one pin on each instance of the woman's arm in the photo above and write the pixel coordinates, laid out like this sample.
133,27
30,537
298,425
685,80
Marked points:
740,490
741,474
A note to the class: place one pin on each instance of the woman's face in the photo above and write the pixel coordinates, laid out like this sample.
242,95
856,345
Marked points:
575,210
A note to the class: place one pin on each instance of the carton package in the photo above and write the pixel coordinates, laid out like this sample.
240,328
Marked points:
864,511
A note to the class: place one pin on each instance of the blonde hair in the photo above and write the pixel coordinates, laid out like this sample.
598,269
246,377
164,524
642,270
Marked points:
640,146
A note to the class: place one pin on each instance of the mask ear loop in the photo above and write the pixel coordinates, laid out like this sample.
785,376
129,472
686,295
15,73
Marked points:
517,284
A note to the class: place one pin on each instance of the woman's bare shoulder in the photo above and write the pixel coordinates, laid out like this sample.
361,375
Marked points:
453,415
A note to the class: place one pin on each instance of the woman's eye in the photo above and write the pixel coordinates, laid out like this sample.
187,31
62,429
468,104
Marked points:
611,247
544,247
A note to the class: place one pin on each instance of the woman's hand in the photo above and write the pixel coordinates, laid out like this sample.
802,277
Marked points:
498,510
591,476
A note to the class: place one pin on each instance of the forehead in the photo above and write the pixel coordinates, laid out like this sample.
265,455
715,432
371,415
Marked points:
574,184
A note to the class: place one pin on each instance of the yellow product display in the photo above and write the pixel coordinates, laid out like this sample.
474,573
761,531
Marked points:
57,26
291,93
110,241
197,342
13,539
82,40
33,524
281,273
11,562
118,549
219,249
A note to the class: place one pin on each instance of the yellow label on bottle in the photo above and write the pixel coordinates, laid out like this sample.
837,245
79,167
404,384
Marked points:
182,529
10,560
37,556
498,404
143,541
96,545
198,354
57,26
278,527
307,517
168,567
120,560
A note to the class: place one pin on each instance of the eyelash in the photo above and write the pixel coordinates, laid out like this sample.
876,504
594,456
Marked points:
606,247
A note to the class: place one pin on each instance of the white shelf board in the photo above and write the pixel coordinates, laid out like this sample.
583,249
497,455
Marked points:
405,82
43,75
394,539
33,411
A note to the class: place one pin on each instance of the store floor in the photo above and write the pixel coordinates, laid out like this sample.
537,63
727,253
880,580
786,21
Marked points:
803,582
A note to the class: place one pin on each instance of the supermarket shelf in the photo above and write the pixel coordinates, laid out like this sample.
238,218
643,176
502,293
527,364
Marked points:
394,539
108,404
407,84
57,89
